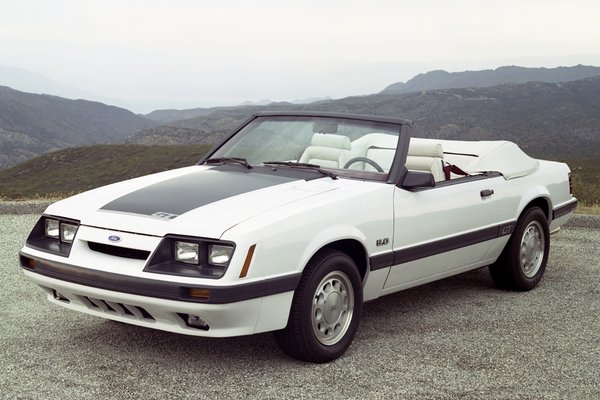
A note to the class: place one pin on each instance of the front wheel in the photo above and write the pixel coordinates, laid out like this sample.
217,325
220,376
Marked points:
523,261
326,309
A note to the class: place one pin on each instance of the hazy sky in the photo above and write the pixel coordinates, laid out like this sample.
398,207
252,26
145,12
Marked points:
183,54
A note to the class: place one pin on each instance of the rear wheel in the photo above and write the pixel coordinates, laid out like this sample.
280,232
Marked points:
325,311
523,261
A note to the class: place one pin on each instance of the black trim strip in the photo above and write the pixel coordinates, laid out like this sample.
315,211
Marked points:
461,154
564,210
319,114
396,257
159,289
382,260
469,178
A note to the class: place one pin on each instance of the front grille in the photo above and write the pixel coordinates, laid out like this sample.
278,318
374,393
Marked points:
121,309
117,251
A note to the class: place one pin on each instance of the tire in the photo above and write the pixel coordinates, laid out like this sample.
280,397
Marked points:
523,261
326,309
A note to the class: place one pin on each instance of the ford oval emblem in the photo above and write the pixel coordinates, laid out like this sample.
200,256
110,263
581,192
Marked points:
114,238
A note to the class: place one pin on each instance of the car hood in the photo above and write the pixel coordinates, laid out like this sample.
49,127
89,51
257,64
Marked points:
198,201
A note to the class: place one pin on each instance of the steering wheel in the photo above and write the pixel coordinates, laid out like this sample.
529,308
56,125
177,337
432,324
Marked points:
365,160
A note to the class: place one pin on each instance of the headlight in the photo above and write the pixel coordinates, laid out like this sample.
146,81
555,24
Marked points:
191,256
67,232
186,252
53,235
55,229
51,228
219,254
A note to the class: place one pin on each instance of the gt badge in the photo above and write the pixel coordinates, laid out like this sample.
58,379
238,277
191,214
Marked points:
164,215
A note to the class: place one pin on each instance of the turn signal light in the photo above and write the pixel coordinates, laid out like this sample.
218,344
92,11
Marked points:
199,293
28,262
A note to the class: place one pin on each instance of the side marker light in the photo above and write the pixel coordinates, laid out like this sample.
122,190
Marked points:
247,262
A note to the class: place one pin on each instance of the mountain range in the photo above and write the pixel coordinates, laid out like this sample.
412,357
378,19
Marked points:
31,124
170,115
490,77
545,119
547,111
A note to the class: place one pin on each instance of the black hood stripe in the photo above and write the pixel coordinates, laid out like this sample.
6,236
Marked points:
176,196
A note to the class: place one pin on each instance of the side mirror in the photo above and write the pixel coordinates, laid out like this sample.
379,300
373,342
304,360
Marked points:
417,179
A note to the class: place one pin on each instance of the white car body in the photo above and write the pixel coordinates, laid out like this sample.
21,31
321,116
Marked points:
401,238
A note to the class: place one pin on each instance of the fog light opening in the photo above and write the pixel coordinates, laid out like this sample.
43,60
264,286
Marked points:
60,297
194,321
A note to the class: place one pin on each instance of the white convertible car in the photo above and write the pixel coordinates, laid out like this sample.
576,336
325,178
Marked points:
292,222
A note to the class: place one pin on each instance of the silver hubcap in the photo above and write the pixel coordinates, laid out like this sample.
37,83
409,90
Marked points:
332,308
532,249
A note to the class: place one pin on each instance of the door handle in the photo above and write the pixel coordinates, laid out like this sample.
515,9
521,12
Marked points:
486,193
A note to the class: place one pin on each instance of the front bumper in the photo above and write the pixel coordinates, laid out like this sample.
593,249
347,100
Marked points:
227,310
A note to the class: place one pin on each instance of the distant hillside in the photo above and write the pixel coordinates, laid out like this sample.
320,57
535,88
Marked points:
545,119
205,129
166,116
31,124
491,77
82,168
169,117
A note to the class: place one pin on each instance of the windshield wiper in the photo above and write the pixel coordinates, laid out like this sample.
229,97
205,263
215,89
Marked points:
298,165
229,160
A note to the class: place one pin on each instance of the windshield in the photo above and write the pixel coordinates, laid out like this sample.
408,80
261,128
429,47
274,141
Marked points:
341,145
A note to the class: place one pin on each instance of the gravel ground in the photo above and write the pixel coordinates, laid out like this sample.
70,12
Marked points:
24,207
454,339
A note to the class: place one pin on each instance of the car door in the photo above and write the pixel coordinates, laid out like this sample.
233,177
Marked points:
448,229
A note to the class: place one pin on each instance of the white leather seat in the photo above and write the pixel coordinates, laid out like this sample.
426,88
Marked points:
327,150
427,157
